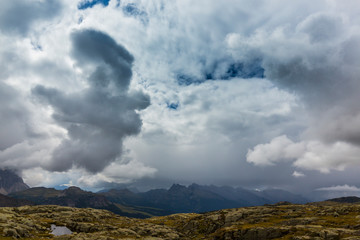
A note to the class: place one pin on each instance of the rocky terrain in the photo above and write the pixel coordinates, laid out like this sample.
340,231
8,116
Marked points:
326,220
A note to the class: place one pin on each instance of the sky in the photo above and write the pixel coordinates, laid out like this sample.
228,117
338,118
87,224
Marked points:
255,94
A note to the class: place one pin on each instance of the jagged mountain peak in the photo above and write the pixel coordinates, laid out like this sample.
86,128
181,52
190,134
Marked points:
177,187
11,182
73,190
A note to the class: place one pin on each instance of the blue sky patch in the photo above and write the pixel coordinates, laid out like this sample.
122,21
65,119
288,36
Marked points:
233,70
132,10
173,106
241,70
90,3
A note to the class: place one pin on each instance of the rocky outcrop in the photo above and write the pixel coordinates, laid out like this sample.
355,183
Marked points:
10,182
311,221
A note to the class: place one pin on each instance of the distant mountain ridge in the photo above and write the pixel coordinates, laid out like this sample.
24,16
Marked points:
75,197
279,195
10,182
157,202
72,197
197,198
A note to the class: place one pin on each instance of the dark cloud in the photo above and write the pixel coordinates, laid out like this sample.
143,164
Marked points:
112,62
315,84
18,16
99,117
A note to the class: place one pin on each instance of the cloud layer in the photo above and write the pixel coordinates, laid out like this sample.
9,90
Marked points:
248,93
17,17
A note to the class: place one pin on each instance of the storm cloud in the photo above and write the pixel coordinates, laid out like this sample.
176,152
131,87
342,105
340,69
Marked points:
99,117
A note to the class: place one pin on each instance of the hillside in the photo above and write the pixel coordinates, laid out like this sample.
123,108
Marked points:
351,199
311,221
6,201
75,197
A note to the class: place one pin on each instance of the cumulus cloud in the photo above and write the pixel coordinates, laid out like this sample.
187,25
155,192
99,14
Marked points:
279,149
325,157
310,155
98,117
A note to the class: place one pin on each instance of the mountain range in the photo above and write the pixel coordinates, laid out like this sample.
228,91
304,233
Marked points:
157,202
197,198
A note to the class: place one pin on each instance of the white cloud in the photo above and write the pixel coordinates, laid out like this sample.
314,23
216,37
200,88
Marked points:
340,188
117,173
310,155
279,149
324,157
114,173
297,174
